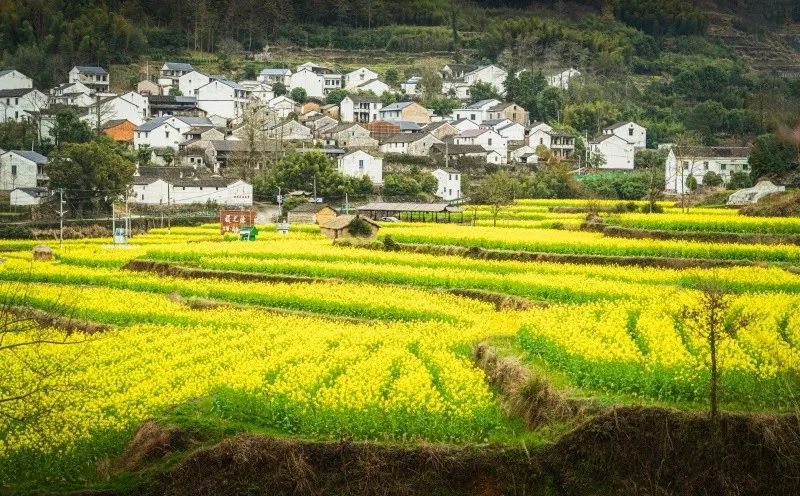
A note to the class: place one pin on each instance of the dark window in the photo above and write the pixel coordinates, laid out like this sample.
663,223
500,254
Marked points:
13,170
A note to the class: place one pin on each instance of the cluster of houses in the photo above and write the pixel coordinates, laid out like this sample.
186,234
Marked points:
191,129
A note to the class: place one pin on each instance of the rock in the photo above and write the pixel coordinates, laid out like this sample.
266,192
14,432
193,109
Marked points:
42,253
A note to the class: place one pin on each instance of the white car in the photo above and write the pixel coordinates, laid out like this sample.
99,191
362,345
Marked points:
390,219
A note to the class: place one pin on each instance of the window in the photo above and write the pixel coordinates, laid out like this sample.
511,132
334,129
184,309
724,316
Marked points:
685,164
142,196
541,141
723,166
13,170
361,165
630,132
166,134
16,101
745,167
705,165
472,117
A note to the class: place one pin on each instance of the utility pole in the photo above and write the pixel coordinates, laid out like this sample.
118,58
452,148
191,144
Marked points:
61,216
315,188
280,204
346,204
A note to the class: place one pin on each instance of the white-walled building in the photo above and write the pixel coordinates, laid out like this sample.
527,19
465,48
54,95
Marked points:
374,85
189,83
448,184
361,75
506,128
185,191
418,144
616,152
476,112
313,83
489,139
410,85
525,154
223,98
698,161
630,132
11,79
170,73
465,125
15,104
130,106
167,131
283,106
359,164
562,79
25,197
356,108
258,90
561,143
94,77
22,169
272,76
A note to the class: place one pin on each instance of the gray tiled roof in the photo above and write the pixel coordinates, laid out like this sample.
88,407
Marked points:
91,69
35,157
179,66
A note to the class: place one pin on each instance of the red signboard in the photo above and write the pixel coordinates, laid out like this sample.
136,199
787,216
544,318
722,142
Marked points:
233,220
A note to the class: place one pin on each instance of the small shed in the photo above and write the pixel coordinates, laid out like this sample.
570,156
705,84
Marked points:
339,227
311,213
412,212
749,196
21,197
42,253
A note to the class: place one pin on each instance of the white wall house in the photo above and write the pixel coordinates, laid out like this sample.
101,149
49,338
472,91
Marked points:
282,105
560,143
355,108
476,112
489,139
361,75
25,197
258,90
359,164
11,79
166,131
495,76
506,128
523,155
224,191
94,77
465,124
374,85
130,106
170,74
272,76
448,184
22,169
331,82
313,83
410,86
418,144
189,83
616,152
630,132
698,161
16,103
223,98
562,79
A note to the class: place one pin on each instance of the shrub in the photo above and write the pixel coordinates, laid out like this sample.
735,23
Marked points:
711,180
15,232
359,228
739,180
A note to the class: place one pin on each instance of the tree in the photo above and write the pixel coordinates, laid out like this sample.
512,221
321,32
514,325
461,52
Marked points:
712,180
482,91
92,174
739,180
430,82
591,116
711,319
335,97
497,190
691,183
392,77
413,186
279,89
548,105
525,90
772,157
175,91
300,171
442,106
69,129
299,95
707,118
252,132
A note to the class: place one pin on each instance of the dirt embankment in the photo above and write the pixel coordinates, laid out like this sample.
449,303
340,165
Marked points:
172,270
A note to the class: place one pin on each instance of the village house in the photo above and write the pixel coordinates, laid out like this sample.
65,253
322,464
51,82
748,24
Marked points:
320,124
375,86
441,129
161,105
311,213
189,83
258,90
148,88
361,75
613,152
698,161
505,128
272,76
380,130
313,83
476,112
197,189
131,106
170,75
418,144
331,110
290,130
26,197
448,184
629,131
561,80
460,154
405,111
283,106
339,227
120,130
509,110
456,72
358,108
351,135
490,74
17,104
11,79
525,154
311,104
93,77
359,164
22,169
410,85
408,126
76,93
464,125
219,154
560,143
487,138
167,131
223,98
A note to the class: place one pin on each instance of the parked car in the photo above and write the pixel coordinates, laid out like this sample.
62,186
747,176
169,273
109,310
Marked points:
390,219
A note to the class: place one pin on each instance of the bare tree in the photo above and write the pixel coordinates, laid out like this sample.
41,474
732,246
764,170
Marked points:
253,134
713,320
32,345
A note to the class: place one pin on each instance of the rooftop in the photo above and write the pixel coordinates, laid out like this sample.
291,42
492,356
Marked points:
34,157
178,66
91,69
310,207
408,207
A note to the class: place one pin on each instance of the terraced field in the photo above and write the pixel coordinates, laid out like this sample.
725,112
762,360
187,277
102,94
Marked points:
296,336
